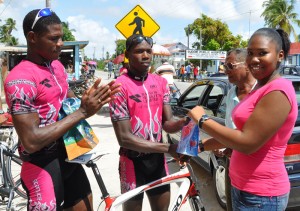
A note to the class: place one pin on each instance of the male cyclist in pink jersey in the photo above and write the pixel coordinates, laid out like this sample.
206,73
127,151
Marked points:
139,112
34,90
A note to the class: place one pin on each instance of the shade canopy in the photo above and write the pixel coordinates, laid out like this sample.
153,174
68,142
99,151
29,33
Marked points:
119,59
160,50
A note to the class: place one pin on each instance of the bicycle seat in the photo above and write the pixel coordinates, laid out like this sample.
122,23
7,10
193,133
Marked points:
92,155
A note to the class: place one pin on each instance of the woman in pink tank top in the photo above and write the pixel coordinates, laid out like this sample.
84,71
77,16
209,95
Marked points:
258,175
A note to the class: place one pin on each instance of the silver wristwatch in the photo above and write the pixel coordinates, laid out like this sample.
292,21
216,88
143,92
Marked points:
202,119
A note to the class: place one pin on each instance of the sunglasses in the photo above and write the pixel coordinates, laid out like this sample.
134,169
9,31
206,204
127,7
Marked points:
230,66
138,40
42,13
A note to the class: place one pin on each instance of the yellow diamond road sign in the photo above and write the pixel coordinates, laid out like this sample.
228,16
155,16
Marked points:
137,21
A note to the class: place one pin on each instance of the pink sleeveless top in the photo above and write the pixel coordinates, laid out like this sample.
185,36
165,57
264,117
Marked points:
263,172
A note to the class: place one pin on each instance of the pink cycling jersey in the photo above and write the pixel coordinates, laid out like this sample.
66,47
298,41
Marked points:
34,88
142,103
263,172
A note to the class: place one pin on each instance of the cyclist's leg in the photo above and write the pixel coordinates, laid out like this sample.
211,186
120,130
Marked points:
78,193
159,198
128,182
77,189
43,185
160,201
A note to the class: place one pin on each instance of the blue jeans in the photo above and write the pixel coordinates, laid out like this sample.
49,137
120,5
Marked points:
242,200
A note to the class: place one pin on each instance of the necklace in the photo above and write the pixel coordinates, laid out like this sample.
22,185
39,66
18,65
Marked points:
253,86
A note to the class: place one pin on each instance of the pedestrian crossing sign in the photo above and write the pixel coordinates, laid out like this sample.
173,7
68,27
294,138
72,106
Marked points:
137,21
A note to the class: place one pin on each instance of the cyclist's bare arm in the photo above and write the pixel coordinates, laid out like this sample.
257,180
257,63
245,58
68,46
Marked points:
34,138
171,125
128,140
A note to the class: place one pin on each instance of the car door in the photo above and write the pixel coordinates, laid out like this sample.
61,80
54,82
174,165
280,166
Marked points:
210,93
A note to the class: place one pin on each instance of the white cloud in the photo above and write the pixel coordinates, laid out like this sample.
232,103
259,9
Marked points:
99,37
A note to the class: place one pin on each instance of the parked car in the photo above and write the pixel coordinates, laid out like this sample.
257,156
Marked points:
290,70
211,93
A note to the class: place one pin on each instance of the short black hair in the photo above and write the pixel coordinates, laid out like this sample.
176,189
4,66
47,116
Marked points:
129,43
164,60
278,36
41,24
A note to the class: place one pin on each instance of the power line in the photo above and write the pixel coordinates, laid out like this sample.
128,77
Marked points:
5,7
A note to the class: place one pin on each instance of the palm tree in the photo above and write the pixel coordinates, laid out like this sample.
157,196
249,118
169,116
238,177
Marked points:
68,36
280,14
6,30
11,25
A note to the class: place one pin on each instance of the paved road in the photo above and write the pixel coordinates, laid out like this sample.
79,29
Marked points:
108,164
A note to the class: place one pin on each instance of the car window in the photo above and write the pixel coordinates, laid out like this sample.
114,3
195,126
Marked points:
192,97
296,85
195,93
213,100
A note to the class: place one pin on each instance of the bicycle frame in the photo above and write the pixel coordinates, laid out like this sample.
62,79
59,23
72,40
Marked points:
187,188
6,188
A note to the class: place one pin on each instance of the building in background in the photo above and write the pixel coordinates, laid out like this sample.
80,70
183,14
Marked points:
178,53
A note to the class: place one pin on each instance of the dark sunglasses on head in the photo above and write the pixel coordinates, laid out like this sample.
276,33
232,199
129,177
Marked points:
42,13
138,40
230,66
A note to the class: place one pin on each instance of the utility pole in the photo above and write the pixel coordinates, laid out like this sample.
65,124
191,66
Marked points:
188,37
103,52
200,48
48,3
94,53
249,21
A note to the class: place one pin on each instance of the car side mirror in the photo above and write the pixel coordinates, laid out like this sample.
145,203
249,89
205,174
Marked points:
173,101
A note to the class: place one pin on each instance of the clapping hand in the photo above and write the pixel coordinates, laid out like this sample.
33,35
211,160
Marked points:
96,96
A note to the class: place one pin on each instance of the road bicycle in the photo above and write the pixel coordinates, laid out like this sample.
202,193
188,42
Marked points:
188,185
10,182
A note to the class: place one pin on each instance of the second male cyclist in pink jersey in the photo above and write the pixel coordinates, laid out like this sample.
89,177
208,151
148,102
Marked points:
139,112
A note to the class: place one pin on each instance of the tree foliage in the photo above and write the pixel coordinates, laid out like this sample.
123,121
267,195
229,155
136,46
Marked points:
281,14
121,46
6,30
68,36
215,34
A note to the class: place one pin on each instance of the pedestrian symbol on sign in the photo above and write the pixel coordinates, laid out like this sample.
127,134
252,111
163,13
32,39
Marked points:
137,21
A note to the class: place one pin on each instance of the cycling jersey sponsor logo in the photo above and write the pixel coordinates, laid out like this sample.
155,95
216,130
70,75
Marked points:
45,82
136,98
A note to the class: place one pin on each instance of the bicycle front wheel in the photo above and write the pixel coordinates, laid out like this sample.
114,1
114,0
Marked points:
13,167
196,203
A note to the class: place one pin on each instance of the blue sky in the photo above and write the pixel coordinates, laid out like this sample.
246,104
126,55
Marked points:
95,20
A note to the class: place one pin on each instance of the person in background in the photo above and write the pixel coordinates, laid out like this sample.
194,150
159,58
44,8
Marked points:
110,67
259,137
1,81
195,72
182,72
92,69
35,90
124,68
188,71
139,112
167,71
221,72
